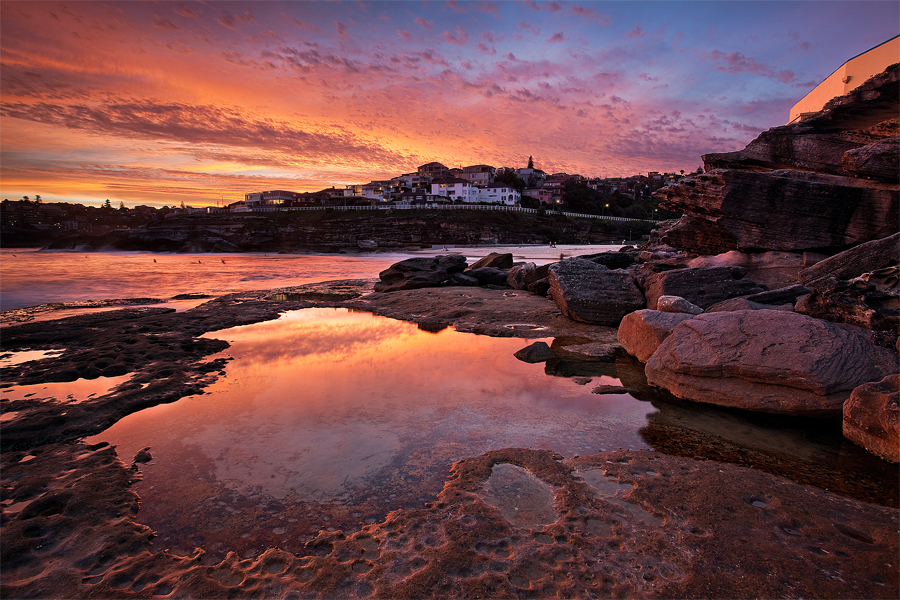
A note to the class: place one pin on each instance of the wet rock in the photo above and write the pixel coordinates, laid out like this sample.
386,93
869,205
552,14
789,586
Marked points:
591,293
415,273
855,302
488,276
592,351
703,286
855,261
677,304
872,417
642,331
535,353
538,280
367,244
494,260
767,361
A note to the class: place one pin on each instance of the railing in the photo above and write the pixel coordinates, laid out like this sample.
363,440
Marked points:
493,207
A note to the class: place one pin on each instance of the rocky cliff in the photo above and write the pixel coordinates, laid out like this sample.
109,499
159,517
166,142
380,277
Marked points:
826,183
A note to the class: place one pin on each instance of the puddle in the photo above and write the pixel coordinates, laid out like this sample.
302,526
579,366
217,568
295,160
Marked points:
612,491
331,419
70,392
8,359
523,499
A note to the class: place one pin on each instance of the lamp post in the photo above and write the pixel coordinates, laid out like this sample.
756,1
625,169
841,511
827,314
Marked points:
602,210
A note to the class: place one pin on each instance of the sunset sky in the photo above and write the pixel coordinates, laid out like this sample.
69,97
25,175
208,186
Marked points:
163,102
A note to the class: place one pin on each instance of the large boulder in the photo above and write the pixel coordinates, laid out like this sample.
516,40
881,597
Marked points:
872,417
768,361
879,159
414,273
591,293
642,331
703,286
494,260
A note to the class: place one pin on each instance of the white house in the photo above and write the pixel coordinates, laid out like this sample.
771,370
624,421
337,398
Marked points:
455,189
499,193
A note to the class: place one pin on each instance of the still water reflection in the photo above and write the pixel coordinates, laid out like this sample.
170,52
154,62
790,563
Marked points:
330,419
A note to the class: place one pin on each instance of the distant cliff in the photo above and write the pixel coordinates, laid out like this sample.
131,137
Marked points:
336,231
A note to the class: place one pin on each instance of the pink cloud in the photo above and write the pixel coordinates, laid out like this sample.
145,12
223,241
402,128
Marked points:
165,24
404,35
591,15
637,32
341,29
231,21
305,26
556,37
460,38
424,23
186,11
548,6
534,30
736,62
485,50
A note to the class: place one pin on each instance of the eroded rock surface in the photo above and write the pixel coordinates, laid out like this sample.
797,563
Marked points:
768,361
625,524
872,417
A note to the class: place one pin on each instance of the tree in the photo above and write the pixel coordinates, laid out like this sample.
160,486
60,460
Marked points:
121,205
512,180
37,198
530,162
107,204
25,198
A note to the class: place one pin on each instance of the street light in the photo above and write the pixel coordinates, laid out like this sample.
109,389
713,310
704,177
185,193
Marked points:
603,209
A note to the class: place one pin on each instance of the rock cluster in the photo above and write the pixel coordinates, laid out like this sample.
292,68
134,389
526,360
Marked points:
776,291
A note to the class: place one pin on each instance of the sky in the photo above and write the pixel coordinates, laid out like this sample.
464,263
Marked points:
201,102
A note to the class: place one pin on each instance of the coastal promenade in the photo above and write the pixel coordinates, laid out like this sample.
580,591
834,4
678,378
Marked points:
491,207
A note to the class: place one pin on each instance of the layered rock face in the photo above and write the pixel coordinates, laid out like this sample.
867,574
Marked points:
767,360
825,183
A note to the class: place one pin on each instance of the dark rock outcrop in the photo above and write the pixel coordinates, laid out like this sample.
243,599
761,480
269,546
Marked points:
880,160
733,304
768,361
703,286
591,293
414,273
872,417
537,352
